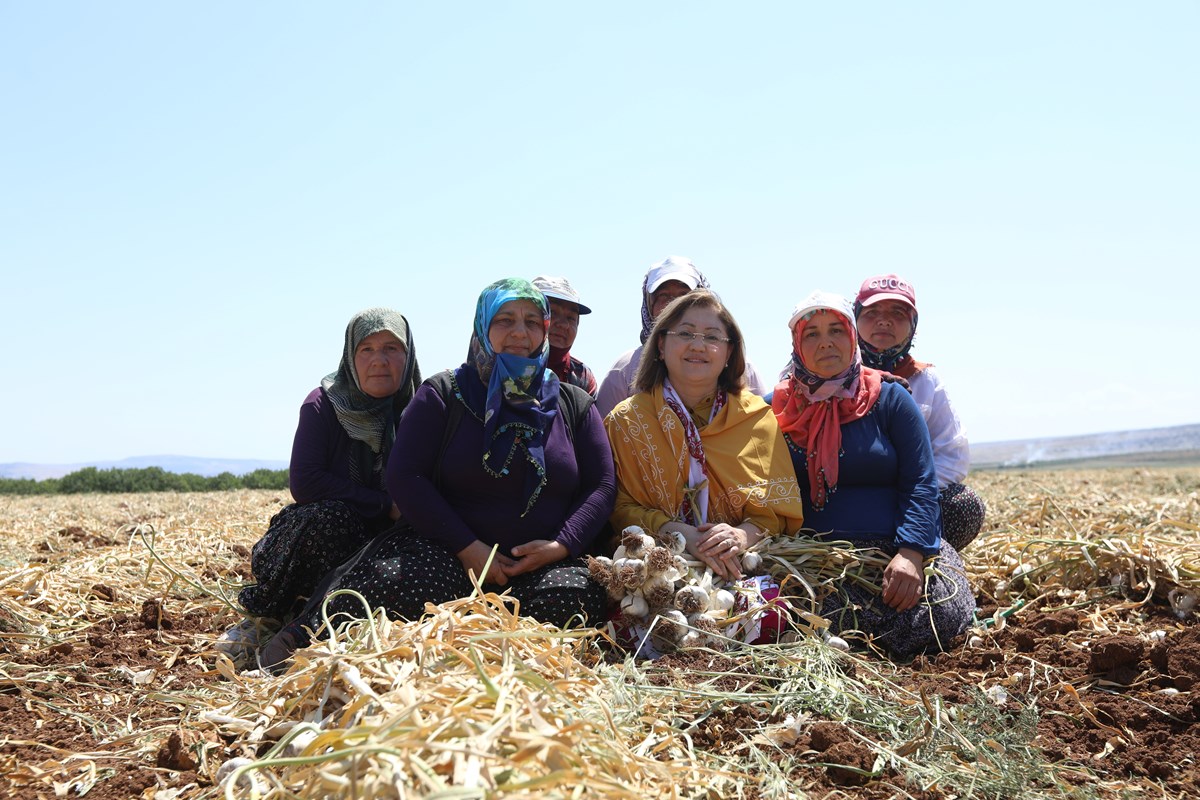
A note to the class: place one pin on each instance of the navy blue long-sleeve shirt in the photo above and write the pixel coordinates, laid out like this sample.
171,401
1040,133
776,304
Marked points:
887,486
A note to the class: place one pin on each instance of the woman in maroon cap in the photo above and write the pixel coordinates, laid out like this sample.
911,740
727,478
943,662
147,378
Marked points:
886,313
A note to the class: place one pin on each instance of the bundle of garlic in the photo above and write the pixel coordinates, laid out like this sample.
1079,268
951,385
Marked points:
662,590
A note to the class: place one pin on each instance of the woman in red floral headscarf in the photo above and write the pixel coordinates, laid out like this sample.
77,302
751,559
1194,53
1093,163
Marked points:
863,459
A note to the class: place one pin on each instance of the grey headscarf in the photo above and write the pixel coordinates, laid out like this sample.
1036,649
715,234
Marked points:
371,421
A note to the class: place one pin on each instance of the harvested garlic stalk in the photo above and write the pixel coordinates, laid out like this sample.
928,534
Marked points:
660,586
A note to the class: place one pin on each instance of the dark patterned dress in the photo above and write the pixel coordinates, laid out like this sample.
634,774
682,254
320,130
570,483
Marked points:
963,512
886,497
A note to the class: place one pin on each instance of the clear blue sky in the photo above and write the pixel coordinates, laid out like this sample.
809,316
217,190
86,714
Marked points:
194,198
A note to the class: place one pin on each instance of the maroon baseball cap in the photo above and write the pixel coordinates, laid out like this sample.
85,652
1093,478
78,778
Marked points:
886,287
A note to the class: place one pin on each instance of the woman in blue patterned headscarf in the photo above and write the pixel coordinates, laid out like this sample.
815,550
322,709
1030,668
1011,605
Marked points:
500,470
521,393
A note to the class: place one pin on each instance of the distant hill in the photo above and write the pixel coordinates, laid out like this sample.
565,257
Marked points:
1152,447
178,464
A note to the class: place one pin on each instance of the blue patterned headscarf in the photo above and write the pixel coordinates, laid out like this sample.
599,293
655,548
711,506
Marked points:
521,397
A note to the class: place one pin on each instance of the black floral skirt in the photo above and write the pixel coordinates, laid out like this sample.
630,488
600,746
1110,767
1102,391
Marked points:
401,571
301,545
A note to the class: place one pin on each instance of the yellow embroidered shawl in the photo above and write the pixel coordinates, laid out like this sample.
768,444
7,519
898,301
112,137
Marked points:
749,469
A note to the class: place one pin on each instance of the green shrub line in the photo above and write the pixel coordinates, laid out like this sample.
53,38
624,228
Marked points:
91,480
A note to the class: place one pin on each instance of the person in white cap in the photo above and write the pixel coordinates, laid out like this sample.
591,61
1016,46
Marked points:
565,310
669,279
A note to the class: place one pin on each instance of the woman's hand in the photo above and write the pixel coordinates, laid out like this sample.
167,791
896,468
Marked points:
720,546
536,554
393,513
904,579
476,554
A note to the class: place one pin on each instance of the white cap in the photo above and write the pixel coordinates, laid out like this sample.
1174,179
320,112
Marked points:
822,300
673,268
559,289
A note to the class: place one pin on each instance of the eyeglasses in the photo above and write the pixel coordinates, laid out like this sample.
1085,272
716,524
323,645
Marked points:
687,337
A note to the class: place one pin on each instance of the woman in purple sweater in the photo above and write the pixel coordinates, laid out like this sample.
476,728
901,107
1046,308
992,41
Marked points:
494,454
346,430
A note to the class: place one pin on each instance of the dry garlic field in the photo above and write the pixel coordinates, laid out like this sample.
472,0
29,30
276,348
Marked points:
1080,679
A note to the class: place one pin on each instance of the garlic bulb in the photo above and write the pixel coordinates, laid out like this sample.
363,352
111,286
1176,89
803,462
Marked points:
722,601
673,572
658,560
600,570
658,591
636,541
691,600
710,630
675,541
1182,602
634,605
248,780
671,627
631,572
751,561
838,643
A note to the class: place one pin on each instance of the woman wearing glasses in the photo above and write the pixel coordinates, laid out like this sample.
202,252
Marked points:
696,452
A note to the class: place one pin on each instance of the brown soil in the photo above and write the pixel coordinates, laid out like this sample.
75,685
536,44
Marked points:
1120,706
38,738
1115,707
1110,689
1116,704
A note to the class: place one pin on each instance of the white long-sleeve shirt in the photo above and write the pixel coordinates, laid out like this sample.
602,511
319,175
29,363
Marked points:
951,451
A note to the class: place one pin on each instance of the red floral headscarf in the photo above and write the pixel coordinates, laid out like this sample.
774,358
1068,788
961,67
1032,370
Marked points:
811,410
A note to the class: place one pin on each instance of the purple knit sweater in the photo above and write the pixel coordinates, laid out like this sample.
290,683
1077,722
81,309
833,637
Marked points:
471,504
320,466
